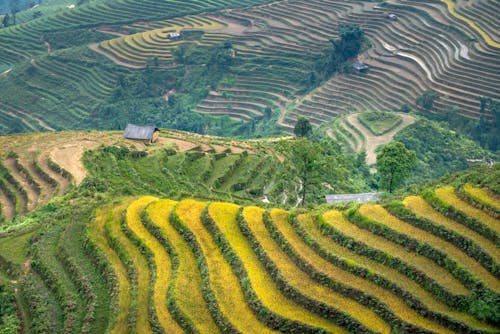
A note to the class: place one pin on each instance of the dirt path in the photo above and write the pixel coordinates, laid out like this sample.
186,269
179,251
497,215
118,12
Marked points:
372,141
32,195
69,158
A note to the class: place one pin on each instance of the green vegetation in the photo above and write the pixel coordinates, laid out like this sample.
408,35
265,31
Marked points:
379,123
394,164
439,150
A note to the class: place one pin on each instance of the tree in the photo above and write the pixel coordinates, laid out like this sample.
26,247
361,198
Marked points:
350,42
394,163
306,165
302,128
426,100
6,20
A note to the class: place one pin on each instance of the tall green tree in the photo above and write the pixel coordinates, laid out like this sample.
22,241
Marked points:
306,164
303,128
394,164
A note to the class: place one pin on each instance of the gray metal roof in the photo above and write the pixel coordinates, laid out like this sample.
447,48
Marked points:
340,198
139,132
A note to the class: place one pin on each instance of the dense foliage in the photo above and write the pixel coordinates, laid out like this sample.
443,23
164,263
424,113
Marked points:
439,150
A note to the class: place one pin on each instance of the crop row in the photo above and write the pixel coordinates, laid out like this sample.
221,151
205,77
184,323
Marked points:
198,267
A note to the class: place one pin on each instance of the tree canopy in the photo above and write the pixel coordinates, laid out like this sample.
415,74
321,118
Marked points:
394,164
303,127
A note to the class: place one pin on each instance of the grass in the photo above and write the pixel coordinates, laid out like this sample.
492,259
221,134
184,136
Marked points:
481,195
423,209
15,249
223,281
439,274
261,281
396,304
379,214
447,195
379,123
97,233
162,264
187,290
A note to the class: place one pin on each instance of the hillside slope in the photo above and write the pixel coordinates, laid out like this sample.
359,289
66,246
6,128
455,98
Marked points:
426,264
260,63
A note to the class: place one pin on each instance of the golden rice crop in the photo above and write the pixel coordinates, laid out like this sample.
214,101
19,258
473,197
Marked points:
187,289
447,195
333,218
439,274
378,213
98,235
423,209
481,195
396,304
133,214
303,282
223,281
162,263
260,280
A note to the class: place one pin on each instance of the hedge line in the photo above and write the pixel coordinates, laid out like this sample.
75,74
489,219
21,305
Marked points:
361,297
59,170
466,245
365,273
172,306
456,215
445,296
131,271
29,178
46,177
413,245
213,306
149,256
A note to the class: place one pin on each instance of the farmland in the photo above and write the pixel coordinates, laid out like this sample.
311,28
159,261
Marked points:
262,111
264,64
165,238
261,270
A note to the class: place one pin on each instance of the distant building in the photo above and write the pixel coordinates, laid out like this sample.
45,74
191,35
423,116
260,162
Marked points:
359,66
392,17
174,35
342,198
147,134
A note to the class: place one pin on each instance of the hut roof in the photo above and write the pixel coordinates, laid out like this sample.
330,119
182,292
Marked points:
362,198
357,65
139,132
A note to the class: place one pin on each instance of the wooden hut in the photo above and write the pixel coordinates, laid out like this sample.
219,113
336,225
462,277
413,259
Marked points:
144,133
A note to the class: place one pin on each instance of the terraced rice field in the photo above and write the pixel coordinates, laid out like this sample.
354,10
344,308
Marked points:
356,137
35,168
218,267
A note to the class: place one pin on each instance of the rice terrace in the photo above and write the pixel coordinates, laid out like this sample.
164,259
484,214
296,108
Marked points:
166,166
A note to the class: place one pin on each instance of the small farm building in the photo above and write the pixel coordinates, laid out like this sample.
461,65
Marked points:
359,66
342,198
392,17
147,134
174,35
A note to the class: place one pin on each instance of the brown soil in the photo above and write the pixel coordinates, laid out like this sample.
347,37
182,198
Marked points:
372,141
32,195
